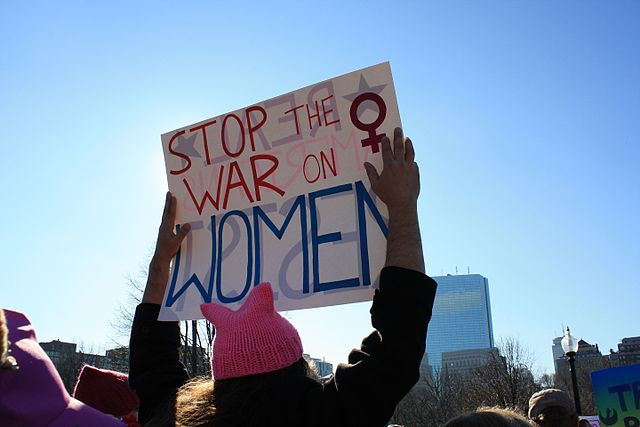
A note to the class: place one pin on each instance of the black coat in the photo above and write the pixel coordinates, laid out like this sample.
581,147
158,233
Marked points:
363,392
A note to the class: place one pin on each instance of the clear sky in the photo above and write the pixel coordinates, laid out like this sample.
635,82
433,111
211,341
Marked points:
525,116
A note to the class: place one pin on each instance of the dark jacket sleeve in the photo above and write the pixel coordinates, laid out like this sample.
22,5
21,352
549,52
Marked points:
155,371
365,392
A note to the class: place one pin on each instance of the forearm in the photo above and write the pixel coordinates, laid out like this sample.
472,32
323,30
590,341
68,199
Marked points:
404,245
386,366
167,247
155,371
157,279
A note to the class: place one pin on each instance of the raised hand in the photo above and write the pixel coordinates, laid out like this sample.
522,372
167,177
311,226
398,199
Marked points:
167,247
168,242
398,185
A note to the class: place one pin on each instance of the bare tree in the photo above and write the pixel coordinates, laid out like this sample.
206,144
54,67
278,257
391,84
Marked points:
69,363
196,336
585,389
68,366
506,379
123,319
435,399
547,380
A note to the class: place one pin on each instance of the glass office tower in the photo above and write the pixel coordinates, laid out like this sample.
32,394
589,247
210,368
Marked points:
461,317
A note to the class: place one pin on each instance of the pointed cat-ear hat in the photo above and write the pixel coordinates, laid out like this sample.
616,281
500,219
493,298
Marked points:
255,339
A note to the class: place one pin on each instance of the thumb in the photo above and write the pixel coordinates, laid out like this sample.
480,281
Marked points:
372,173
182,233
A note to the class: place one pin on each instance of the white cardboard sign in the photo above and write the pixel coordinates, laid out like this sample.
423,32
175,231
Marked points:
277,192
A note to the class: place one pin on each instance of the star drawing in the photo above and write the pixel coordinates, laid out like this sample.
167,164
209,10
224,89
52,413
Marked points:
364,87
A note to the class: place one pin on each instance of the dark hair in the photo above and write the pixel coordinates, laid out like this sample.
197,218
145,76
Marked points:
489,417
244,401
556,416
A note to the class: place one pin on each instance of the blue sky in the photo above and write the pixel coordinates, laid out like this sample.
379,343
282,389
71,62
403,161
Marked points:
524,115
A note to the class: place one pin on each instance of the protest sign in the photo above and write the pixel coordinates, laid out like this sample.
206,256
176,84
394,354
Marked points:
277,192
593,420
617,395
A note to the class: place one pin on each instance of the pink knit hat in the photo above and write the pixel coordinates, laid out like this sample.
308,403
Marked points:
105,390
253,340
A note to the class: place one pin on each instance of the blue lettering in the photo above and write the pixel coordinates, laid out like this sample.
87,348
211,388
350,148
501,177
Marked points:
172,297
262,215
259,214
221,297
317,240
363,197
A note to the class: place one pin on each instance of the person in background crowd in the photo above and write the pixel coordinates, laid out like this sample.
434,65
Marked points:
31,391
107,391
259,375
489,417
7,362
552,408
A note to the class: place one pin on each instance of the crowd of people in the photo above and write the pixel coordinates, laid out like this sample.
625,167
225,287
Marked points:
258,374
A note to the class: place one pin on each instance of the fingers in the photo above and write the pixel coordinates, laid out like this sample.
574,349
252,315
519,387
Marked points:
398,144
173,203
169,214
165,211
181,230
387,154
182,233
409,154
372,173
169,242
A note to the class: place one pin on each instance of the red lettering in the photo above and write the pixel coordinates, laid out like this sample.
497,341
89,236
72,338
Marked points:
289,100
206,197
317,115
252,128
295,117
181,155
224,141
293,164
304,168
260,180
350,142
231,185
325,161
351,145
326,112
314,93
204,137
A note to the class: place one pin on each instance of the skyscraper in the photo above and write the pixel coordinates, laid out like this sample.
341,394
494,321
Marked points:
556,349
461,317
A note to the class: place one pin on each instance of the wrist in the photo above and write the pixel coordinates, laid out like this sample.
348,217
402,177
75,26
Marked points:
157,279
407,213
407,205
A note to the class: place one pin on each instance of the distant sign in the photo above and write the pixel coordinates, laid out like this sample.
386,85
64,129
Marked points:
594,420
277,192
617,395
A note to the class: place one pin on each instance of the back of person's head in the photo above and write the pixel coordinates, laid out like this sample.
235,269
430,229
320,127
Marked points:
552,408
246,401
489,417
257,368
